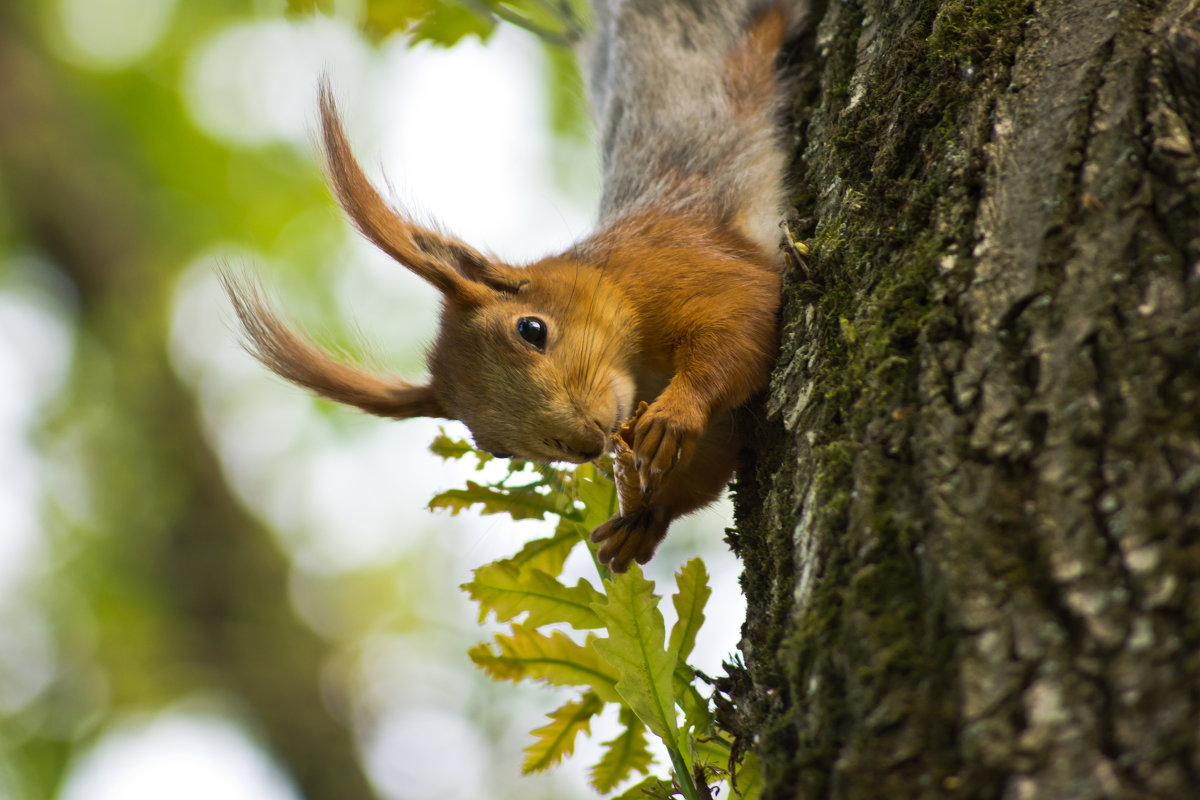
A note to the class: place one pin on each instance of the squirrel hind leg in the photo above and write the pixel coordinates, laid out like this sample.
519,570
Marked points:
635,533
632,537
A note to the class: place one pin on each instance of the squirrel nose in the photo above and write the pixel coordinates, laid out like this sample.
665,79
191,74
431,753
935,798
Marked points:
595,446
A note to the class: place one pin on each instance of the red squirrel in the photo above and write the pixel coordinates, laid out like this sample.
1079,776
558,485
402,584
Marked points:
662,321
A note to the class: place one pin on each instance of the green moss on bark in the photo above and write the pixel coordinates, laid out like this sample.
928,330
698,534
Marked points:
974,512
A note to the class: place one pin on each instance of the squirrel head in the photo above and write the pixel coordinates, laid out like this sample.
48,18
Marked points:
542,372
536,361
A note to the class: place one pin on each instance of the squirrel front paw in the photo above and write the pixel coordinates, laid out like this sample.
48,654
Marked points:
664,435
631,537
635,532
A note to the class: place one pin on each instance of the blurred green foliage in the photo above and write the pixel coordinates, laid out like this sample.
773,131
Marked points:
445,22
157,583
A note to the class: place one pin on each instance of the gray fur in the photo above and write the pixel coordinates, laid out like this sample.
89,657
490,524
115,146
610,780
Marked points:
668,136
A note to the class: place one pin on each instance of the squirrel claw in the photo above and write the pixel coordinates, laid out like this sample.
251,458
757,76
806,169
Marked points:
631,537
663,438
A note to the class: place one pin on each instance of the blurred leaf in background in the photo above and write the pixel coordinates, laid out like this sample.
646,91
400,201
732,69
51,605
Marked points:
192,557
445,22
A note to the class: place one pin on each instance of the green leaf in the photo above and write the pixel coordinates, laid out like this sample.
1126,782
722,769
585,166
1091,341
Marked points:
598,494
655,788
711,752
447,23
623,755
556,740
554,21
442,22
549,553
746,781
696,712
689,602
509,591
522,502
447,448
305,6
557,659
559,482
634,647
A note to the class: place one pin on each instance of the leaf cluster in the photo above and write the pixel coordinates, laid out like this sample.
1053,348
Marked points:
611,642
445,22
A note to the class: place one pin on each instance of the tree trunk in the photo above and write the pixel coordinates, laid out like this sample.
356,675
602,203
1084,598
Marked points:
972,533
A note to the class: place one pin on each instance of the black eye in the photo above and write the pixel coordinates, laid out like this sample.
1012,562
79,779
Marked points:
533,330
499,455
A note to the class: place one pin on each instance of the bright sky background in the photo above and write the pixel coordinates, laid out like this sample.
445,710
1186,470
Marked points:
461,136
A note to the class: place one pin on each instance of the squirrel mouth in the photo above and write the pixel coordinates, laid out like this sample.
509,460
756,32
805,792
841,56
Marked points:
612,430
617,422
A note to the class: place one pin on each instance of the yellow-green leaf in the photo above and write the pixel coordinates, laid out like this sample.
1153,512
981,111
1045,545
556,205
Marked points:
447,448
518,503
556,740
655,788
304,6
557,659
689,601
635,648
711,752
696,712
509,591
443,22
747,778
623,755
549,553
598,494
557,480
446,23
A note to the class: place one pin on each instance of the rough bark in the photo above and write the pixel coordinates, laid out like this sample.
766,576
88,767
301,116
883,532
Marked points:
972,533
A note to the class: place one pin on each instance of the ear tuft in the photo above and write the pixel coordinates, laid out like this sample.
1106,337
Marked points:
458,271
295,358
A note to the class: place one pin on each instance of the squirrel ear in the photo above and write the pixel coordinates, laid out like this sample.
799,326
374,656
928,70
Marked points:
458,271
298,360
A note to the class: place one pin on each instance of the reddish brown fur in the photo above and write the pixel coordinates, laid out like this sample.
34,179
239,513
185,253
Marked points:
299,361
750,67
457,270
675,310
705,302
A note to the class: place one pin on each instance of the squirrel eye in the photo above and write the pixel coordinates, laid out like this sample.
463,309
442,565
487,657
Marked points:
533,330
499,455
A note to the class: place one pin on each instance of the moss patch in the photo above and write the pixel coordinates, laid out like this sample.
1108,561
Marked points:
886,195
